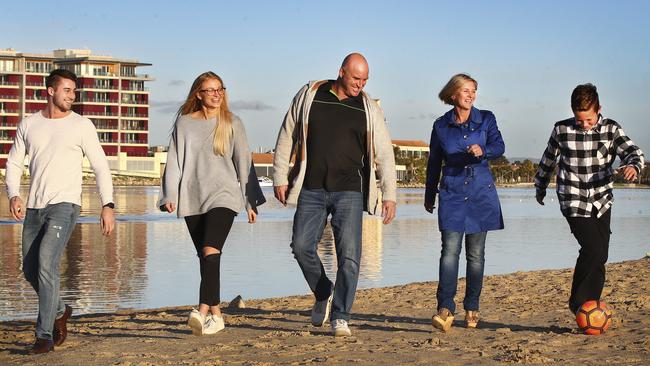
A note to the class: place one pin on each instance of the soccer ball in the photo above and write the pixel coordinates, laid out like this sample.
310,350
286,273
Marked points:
594,317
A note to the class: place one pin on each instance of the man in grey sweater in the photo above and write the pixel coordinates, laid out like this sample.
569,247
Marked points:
336,168
56,140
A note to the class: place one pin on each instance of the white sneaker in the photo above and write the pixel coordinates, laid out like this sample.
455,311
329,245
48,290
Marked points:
340,328
213,324
320,312
196,321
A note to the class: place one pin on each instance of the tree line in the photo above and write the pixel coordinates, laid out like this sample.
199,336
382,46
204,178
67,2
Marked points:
503,171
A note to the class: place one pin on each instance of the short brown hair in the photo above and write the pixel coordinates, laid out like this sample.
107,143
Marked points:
53,79
585,98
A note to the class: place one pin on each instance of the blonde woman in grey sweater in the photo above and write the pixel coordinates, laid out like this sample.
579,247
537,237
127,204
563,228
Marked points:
208,180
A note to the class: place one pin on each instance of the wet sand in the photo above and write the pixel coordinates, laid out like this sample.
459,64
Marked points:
524,320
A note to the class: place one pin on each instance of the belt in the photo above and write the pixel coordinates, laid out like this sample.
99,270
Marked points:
467,170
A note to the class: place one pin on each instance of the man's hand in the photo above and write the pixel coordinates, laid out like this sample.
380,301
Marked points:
251,216
429,206
280,193
388,209
628,172
475,150
17,208
107,221
540,198
169,207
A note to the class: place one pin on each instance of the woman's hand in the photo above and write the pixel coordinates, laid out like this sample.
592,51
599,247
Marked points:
251,216
475,150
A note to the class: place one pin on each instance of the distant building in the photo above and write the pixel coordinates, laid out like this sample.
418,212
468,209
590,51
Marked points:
411,148
109,92
263,163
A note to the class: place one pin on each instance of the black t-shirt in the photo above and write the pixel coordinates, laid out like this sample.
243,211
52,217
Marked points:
336,142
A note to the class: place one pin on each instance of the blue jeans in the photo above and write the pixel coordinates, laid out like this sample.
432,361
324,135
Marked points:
452,243
46,231
309,221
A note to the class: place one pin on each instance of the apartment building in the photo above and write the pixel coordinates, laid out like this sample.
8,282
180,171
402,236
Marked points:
110,92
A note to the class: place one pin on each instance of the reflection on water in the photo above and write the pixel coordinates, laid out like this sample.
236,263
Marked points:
150,262
371,237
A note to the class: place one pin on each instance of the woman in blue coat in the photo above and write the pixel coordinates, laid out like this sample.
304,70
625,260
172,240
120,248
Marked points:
465,138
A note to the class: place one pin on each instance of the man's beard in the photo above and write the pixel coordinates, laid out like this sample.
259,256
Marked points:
63,106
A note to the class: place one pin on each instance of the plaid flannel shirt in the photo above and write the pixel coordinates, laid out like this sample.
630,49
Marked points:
585,173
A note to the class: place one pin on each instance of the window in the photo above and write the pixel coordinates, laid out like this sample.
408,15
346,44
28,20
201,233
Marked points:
100,70
128,70
38,66
104,137
102,84
6,65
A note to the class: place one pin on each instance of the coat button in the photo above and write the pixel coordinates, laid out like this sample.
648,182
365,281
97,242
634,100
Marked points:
466,182
465,137
466,198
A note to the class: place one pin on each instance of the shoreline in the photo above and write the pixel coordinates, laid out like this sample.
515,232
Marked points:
524,320
155,182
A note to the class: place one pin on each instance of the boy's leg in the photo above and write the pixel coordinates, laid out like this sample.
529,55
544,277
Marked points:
589,275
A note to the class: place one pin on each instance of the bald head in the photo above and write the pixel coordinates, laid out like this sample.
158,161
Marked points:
354,60
353,75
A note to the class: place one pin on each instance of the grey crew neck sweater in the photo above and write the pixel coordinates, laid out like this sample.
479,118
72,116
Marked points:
197,180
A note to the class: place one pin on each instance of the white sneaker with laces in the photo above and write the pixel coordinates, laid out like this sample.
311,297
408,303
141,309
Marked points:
340,328
320,312
213,324
196,321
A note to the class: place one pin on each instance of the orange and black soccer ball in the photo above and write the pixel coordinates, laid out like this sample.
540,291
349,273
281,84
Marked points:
594,317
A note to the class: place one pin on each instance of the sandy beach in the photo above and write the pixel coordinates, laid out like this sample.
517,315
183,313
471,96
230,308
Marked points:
524,320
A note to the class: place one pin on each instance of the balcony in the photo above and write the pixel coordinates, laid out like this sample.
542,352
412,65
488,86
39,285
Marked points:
36,99
100,114
97,86
6,138
137,76
100,73
135,88
134,128
9,97
8,83
8,124
107,141
96,100
105,127
33,84
135,142
136,115
8,111
137,102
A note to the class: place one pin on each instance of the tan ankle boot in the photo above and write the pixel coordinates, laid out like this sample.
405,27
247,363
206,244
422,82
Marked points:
471,318
443,319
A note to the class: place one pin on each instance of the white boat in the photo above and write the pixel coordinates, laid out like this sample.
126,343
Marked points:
265,181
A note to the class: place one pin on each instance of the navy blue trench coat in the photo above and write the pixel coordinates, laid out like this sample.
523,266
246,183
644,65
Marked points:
468,201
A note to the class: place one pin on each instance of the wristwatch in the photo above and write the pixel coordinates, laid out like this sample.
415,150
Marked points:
110,205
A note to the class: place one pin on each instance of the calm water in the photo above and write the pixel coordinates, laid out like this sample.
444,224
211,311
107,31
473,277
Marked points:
150,262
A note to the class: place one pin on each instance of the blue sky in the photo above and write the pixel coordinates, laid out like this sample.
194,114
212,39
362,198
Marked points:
527,56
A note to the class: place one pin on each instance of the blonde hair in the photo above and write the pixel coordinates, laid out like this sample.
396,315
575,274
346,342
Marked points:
452,87
223,132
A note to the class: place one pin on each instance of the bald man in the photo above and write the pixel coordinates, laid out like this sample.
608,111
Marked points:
336,135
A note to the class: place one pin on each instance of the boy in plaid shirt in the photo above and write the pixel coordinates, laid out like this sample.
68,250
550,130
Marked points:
587,145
